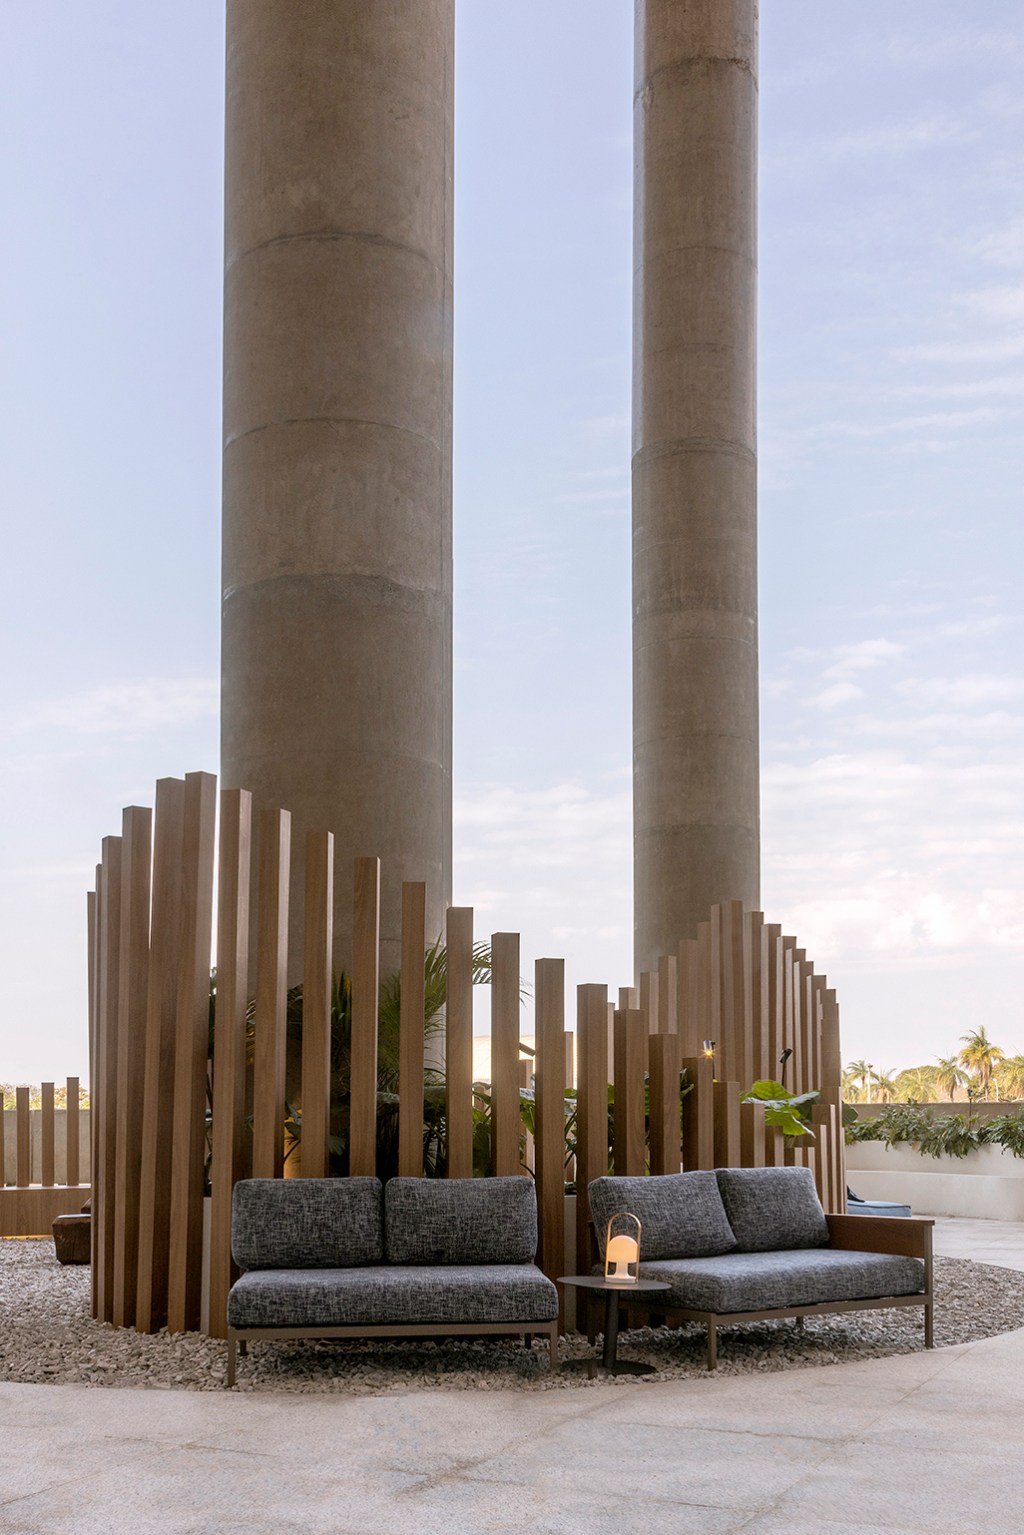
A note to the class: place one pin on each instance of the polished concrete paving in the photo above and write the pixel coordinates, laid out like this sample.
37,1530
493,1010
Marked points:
924,1442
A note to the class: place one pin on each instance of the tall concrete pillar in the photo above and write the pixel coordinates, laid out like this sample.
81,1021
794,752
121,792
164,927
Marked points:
695,720
337,424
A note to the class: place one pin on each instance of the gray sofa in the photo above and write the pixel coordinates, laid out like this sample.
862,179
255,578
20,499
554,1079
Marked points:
348,1257
748,1244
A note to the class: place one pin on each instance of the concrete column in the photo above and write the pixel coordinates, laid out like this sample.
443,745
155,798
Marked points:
337,668
695,731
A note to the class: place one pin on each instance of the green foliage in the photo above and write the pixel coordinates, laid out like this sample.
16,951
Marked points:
940,1135
786,1111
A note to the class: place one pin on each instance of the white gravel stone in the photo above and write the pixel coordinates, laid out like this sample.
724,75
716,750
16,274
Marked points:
48,1336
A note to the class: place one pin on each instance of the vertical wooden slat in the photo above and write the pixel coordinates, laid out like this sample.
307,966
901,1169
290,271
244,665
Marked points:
316,1004
72,1134
549,1024
789,1040
630,1049
570,1061
699,1115
690,1023
668,994
104,1087
713,980
93,915
271,1011
727,1124
666,1134
410,1030
234,871
158,1077
774,1147
741,964
776,1000
757,938
192,1043
800,1078
752,1135
649,1004
365,1012
23,1138
3,1149
459,1041
591,1109
505,1120
48,1136
808,1029
137,853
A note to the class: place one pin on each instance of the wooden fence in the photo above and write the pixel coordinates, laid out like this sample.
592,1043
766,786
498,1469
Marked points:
162,1099
43,1161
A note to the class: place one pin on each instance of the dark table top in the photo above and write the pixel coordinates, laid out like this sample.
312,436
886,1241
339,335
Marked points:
599,1283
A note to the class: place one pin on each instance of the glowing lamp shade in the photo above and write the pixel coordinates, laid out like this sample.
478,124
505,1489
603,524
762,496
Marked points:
622,1251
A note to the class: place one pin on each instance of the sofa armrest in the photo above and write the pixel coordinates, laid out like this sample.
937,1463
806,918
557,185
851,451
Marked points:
906,1236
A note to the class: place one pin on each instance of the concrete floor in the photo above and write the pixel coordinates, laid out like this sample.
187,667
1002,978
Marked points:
924,1442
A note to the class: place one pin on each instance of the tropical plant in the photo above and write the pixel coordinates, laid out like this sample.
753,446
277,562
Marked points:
980,1057
857,1081
786,1111
916,1084
939,1135
1009,1075
949,1075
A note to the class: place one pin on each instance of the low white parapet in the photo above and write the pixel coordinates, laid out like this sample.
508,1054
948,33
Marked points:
987,1183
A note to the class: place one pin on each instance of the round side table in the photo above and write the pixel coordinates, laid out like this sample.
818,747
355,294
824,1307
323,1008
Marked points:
595,1284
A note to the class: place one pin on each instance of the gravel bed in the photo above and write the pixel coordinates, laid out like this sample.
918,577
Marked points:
47,1336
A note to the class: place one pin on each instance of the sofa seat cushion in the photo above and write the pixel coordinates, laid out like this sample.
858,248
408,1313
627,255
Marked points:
390,1295
772,1209
681,1215
777,1280
329,1223
460,1220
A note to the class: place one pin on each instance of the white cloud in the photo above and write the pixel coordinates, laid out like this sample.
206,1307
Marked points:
863,656
965,690
127,708
998,349
1003,247
836,695
1003,302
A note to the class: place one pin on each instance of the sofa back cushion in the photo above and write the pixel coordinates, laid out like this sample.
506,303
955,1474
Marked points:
681,1214
460,1220
771,1209
307,1223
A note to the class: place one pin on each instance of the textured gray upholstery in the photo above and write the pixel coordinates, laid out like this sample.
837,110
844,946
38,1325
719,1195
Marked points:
771,1209
681,1214
327,1223
441,1221
392,1295
765,1281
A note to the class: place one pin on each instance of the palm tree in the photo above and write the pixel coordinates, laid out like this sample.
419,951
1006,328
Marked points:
916,1084
886,1084
980,1056
1009,1075
949,1075
858,1076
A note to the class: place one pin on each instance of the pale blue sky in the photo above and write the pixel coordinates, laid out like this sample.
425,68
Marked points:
891,387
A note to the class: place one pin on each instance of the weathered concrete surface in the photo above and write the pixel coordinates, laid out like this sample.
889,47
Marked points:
695,714
337,423
847,1449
